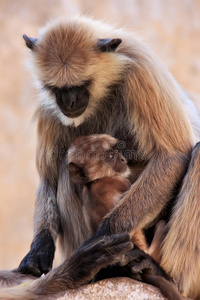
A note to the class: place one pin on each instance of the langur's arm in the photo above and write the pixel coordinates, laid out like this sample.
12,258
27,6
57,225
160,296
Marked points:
46,225
147,196
46,217
155,247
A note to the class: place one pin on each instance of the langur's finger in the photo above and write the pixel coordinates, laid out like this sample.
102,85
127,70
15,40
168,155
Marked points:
106,242
140,266
113,254
131,257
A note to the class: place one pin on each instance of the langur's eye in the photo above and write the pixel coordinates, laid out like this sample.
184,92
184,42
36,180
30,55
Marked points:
111,155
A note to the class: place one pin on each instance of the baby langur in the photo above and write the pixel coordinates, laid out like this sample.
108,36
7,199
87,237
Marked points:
99,167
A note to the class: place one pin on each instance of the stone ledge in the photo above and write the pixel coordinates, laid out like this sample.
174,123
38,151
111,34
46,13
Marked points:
114,289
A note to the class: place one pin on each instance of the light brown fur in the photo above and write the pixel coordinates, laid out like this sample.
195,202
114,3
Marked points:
162,129
186,222
133,98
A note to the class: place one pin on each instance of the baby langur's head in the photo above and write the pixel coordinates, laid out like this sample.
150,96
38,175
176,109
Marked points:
94,157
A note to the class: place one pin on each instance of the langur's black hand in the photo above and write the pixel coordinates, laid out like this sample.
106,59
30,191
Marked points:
140,262
39,259
90,258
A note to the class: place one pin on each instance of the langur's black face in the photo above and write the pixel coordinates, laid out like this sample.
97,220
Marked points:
72,101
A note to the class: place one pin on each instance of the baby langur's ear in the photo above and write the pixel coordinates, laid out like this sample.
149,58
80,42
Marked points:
30,42
108,45
77,174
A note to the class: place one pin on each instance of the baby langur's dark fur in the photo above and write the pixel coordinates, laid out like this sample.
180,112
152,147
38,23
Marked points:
96,164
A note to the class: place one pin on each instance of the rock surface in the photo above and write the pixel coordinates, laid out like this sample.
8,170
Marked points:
114,289
171,28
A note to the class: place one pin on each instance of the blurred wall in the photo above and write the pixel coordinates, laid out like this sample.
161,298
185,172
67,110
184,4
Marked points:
172,30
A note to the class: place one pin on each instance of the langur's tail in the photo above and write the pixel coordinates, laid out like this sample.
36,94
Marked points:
14,285
54,282
23,291
34,289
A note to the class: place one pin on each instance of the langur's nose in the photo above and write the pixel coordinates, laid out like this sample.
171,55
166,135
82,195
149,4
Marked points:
69,100
123,159
71,104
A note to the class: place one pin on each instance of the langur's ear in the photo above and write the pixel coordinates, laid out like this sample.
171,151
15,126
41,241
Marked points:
30,42
77,174
108,45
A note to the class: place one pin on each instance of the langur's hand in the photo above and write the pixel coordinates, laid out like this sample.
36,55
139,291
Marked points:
139,263
86,262
39,259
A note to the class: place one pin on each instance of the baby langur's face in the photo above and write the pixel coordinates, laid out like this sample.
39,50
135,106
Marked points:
94,157
106,162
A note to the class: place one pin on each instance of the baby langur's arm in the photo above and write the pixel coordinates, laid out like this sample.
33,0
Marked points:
155,247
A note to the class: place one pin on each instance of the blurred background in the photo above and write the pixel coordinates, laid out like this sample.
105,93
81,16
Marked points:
171,28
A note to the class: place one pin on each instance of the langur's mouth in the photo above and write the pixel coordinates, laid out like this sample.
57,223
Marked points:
74,114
